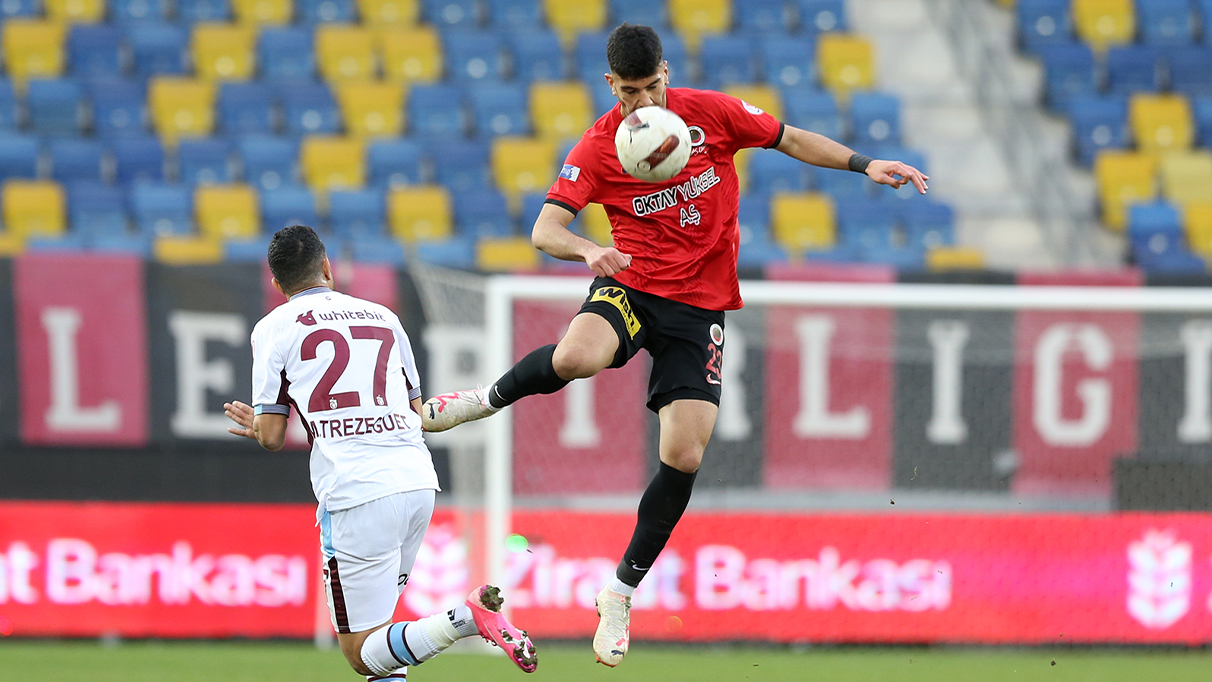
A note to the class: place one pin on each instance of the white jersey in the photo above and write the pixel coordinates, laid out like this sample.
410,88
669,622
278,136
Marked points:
347,366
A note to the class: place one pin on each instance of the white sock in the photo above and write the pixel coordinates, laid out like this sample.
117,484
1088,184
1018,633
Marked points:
384,652
621,587
401,674
388,649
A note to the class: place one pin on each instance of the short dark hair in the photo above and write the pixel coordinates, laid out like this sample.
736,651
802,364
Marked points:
634,51
296,256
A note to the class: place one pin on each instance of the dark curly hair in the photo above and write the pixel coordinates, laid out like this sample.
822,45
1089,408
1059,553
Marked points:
296,256
633,51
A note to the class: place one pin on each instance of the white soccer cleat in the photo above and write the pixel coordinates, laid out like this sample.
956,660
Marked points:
448,410
613,637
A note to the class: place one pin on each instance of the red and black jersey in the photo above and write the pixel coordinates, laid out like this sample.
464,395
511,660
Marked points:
681,233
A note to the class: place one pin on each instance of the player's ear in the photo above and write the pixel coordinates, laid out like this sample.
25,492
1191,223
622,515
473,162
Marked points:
610,82
326,272
278,286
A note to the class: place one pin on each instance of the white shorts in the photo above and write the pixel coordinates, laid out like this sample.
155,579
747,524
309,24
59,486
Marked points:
368,553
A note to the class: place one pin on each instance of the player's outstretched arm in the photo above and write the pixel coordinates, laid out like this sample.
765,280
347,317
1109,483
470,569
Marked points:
819,150
552,236
267,429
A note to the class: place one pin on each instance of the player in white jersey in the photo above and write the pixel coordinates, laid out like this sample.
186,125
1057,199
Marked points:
347,366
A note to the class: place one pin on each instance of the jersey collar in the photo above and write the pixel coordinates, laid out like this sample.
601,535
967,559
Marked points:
309,292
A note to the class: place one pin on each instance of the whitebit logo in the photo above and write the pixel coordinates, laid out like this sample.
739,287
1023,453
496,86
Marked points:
1159,580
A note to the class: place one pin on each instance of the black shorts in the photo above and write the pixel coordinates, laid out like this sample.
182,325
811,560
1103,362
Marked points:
686,343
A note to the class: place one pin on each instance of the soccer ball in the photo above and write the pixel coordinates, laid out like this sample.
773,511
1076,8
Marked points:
653,144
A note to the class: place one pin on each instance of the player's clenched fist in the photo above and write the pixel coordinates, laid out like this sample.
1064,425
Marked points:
607,261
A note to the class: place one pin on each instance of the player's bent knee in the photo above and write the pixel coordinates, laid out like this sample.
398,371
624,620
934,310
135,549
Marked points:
686,461
577,363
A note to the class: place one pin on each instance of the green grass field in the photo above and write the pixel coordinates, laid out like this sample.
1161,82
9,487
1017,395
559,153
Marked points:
257,662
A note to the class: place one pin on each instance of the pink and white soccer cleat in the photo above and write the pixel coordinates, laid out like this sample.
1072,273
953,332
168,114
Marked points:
485,604
448,410
613,636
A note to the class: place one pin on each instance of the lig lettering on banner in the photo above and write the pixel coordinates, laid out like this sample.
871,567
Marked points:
579,429
947,338
1196,423
196,374
1094,393
62,326
815,333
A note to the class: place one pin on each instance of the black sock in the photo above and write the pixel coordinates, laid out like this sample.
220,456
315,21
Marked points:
532,375
660,509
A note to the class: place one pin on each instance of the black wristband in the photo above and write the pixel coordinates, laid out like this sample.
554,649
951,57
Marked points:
858,163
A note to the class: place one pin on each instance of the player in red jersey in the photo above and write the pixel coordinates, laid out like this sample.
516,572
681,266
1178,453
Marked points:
663,286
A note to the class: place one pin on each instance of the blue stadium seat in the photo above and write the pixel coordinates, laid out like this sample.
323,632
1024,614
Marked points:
286,54
674,51
875,118
1165,22
137,159
642,12
760,17
461,14
757,249
289,205
119,108
473,56
499,109
245,108
76,160
371,249
157,48
532,205
462,166
191,11
309,109
928,224
842,185
269,162
137,11
814,110
1044,22
1133,68
360,212
483,214
536,55
18,157
788,61
162,209
254,250
819,16
868,227
394,162
1157,216
515,15
95,50
725,60
603,99
1204,9
204,161
96,209
1098,123
69,242
771,171
18,8
1191,70
134,244
436,111
8,106
456,252
1202,108
1069,70
54,107
590,56
325,11
1158,245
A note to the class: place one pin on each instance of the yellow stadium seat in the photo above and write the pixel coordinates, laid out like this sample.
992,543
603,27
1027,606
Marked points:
763,97
506,254
188,250
954,258
410,54
181,107
1161,123
1103,23
1187,177
570,17
1197,223
333,163
695,18
1123,178
345,52
803,222
263,11
596,225
846,63
521,165
223,51
32,49
560,110
420,213
371,108
11,244
33,208
227,211
75,11
742,159
388,12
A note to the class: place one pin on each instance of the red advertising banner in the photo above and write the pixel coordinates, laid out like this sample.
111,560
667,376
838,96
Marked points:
81,349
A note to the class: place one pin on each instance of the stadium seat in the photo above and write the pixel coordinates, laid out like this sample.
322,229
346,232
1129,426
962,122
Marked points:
223,51
253,250
157,49
135,11
421,213
770,172
803,222
813,110
761,17
515,15
875,118
642,12
366,249
273,12
245,108
32,49
928,224
1191,69
137,159
573,18
456,252
446,14
19,9
330,163
191,11
1203,119
593,222
227,211
1153,217
1157,241
292,205
74,11
866,226
1161,123
286,54
726,59
590,54
1133,68
204,162
34,208
1098,123
822,15
473,56
76,160
309,109
96,209
345,52
1166,22
18,157
560,110
761,96
324,11
521,165
674,50
269,162
1069,72
844,185
54,107
603,99
461,166
693,19
753,228
187,250
401,13
1197,225
371,108
8,107
1104,23
359,212
162,209
410,54
394,162
499,109
788,61
181,107
436,111
536,56
1123,178
95,51
118,108
945,258
1187,177
483,214
506,254
846,63
1044,22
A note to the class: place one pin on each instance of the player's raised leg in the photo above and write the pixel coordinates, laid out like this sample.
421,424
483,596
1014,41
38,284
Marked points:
686,427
